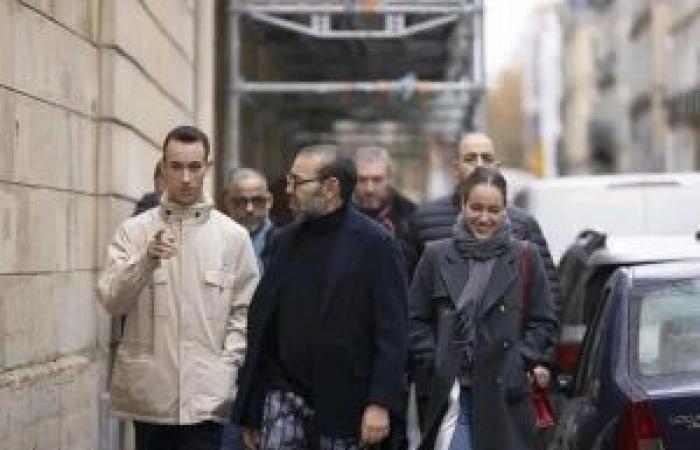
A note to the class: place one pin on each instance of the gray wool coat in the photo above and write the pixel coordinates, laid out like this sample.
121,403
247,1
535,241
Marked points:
506,346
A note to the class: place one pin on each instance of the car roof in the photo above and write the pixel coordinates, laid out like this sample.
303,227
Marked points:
629,250
666,270
616,180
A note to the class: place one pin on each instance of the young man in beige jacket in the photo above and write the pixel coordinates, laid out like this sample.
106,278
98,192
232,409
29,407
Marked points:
183,275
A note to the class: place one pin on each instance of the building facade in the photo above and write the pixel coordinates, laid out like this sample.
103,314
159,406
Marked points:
683,96
88,89
578,92
644,58
542,88
646,72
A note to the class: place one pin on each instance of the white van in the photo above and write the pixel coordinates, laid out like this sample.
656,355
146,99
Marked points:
620,205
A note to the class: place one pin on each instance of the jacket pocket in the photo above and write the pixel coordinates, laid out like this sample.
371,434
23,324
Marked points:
218,287
214,388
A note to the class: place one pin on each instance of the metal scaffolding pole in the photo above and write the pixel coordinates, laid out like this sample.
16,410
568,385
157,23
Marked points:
356,6
330,21
314,18
232,122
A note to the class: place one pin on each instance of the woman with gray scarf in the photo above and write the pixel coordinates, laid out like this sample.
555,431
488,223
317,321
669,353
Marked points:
476,341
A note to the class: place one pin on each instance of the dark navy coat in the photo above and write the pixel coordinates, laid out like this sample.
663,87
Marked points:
363,338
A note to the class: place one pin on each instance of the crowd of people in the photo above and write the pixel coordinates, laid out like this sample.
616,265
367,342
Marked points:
236,332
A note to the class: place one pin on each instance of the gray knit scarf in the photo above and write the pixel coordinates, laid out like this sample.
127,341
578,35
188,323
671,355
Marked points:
481,255
471,247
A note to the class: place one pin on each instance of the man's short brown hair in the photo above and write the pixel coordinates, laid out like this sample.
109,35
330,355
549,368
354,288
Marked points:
187,134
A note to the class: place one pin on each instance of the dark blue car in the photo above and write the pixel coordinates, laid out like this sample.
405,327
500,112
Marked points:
637,385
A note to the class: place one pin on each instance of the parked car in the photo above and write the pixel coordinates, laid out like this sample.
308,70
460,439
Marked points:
619,205
584,270
637,386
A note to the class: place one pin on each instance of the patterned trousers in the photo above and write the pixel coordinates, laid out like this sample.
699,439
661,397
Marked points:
289,424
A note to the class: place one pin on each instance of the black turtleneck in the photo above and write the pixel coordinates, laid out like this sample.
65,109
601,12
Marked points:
299,302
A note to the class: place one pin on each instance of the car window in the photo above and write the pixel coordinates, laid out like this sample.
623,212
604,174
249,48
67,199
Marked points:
667,329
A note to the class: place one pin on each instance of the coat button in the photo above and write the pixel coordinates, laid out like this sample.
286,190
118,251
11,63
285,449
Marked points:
506,345
499,380
502,308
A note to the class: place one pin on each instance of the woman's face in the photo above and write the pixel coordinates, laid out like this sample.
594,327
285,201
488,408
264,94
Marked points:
484,210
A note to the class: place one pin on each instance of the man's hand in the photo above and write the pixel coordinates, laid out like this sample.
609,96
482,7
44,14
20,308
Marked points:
251,438
375,425
163,245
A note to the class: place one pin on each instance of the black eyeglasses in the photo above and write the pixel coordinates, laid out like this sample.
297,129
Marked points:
296,180
258,201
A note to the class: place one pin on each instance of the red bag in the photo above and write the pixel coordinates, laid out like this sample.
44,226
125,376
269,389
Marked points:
544,412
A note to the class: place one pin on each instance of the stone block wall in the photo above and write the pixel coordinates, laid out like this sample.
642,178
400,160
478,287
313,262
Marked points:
88,89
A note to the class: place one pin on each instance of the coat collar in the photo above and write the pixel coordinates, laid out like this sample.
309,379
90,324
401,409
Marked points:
453,268
196,213
343,249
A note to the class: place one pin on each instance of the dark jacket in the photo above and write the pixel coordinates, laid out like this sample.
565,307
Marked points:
434,220
402,210
148,201
362,341
505,347
266,252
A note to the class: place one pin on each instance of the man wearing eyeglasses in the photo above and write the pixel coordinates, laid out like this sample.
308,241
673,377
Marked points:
247,200
327,336
183,275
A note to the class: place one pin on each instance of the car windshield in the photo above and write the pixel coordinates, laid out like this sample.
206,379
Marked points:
668,329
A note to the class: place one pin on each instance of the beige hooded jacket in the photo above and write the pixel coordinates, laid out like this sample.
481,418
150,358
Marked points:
184,334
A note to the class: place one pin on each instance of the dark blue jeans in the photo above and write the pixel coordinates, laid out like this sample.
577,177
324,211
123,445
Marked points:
232,438
462,437
201,436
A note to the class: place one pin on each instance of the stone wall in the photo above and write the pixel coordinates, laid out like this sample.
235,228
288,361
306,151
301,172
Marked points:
88,89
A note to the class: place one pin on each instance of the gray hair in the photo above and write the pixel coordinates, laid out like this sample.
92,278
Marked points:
375,153
242,173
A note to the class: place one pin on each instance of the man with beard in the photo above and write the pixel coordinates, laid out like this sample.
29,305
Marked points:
377,198
327,336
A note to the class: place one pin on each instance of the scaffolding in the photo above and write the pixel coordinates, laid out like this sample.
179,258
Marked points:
417,62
